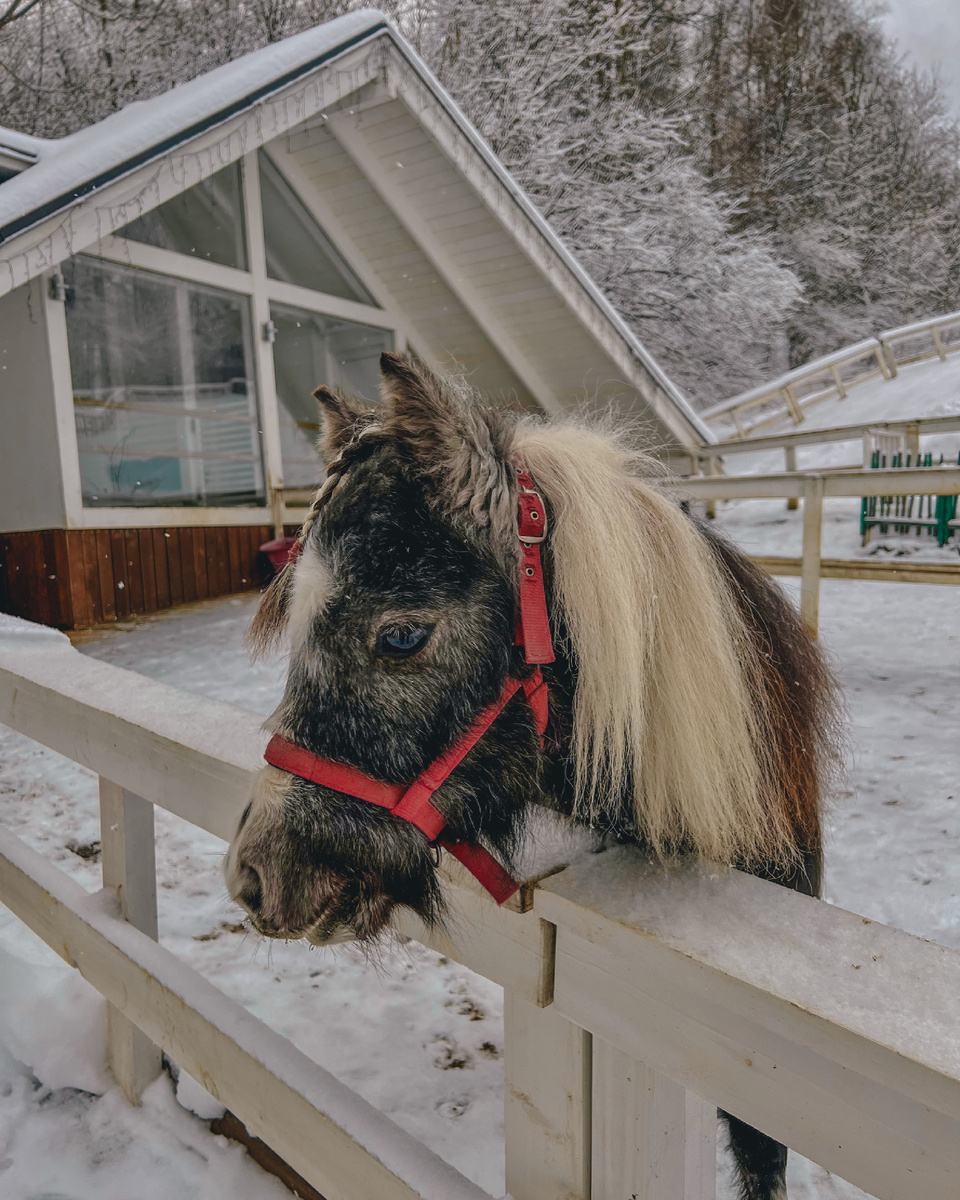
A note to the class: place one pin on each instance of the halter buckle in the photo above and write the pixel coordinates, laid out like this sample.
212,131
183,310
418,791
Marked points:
526,519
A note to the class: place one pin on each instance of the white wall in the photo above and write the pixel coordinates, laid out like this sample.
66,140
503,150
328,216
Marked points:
31,484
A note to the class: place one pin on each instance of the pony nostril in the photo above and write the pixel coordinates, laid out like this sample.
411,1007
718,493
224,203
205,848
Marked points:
250,892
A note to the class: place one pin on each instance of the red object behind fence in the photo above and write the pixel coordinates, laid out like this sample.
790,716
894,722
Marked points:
278,551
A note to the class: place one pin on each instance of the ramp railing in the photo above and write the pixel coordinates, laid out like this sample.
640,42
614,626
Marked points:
791,394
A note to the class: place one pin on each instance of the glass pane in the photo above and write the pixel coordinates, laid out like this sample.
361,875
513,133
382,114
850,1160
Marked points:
310,350
206,221
163,389
298,251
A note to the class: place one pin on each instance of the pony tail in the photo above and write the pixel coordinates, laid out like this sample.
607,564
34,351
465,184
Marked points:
671,736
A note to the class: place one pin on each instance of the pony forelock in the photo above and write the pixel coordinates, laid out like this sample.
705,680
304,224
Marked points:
669,733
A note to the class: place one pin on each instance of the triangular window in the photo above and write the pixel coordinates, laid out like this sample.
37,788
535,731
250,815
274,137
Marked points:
298,251
206,221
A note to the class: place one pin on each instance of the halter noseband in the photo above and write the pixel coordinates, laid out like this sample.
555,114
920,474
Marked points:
412,802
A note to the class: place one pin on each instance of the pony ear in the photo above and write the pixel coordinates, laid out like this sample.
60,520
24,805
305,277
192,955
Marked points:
456,441
420,409
342,417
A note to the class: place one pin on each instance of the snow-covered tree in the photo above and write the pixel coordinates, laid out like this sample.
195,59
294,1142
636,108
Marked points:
752,182
843,153
555,88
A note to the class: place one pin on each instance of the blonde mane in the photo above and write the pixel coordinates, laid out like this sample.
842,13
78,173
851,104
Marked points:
668,712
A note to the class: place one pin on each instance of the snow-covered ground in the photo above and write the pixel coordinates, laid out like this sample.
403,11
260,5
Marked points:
417,1035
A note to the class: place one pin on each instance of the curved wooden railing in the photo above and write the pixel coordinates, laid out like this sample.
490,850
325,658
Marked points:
637,998
833,375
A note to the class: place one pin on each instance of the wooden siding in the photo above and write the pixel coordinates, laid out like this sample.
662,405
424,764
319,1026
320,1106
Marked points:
75,578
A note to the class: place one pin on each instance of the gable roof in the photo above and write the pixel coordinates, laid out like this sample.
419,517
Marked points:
83,187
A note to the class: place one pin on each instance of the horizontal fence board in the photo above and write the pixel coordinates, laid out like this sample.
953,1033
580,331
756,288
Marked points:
834,1034
331,1136
193,756
890,481
879,570
923,426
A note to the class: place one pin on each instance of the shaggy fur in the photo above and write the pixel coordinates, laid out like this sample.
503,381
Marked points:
669,725
690,711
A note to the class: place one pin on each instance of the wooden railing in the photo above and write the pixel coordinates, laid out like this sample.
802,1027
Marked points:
910,429
801,388
637,997
929,335
833,375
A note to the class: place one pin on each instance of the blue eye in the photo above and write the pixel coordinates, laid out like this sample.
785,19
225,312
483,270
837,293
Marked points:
402,642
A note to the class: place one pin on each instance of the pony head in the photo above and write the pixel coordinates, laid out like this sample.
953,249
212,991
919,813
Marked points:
399,616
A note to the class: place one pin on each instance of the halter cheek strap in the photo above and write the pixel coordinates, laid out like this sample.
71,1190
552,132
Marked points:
412,802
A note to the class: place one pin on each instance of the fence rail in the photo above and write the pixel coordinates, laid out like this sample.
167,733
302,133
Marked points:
812,488
910,430
637,998
834,374
802,387
934,329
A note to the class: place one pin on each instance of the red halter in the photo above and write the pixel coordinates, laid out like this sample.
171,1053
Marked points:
412,802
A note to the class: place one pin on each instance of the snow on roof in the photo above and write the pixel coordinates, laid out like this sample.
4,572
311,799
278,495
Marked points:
69,167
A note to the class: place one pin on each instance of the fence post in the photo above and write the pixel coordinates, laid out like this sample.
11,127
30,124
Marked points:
547,1064
652,1140
810,565
128,864
789,394
276,511
710,506
790,464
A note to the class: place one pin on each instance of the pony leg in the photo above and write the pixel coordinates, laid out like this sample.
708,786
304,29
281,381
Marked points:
761,1162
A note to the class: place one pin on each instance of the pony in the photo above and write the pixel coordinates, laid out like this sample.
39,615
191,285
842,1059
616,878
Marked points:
689,713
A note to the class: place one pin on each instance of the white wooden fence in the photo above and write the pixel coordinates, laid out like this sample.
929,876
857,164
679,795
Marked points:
812,487
802,387
636,998
923,339
834,374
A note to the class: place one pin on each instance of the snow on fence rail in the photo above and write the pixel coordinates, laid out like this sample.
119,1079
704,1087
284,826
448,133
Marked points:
834,374
636,998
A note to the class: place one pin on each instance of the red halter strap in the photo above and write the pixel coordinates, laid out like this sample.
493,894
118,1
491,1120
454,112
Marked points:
412,802
533,632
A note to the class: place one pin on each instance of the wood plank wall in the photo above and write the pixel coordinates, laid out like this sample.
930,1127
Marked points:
74,578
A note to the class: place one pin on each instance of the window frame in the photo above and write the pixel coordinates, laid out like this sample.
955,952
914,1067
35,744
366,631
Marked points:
255,284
